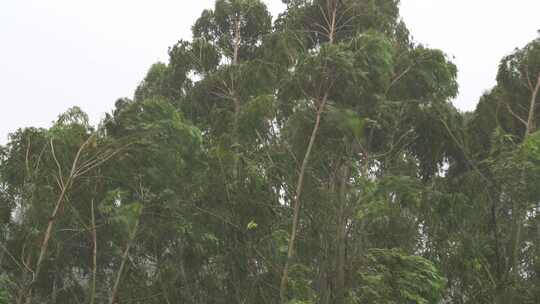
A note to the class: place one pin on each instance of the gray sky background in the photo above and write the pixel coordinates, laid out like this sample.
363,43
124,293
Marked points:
55,54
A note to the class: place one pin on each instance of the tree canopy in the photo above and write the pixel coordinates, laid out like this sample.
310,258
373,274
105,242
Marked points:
312,158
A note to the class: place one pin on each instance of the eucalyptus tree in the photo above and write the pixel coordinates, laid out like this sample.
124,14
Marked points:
148,202
357,90
44,179
341,64
484,238
229,96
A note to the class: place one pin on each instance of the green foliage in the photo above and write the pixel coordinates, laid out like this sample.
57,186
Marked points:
391,276
430,77
531,147
301,285
5,286
520,68
218,26
186,194
252,225
348,122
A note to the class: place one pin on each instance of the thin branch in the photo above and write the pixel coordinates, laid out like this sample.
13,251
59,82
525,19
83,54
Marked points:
398,78
515,115
94,255
60,179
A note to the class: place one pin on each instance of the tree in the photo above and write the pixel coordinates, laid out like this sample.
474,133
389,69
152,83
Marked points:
315,160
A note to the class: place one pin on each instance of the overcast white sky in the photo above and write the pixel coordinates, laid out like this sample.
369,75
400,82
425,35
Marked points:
55,54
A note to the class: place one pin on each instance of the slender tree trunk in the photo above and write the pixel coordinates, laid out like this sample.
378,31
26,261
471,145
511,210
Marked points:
54,294
125,257
341,234
64,186
538,231
531,124
94,255
332,11
233,269
236,138
328,263
297,202
237,39
182,272
236,100
516,214
495,232
162,283
48,232
23,291
323,286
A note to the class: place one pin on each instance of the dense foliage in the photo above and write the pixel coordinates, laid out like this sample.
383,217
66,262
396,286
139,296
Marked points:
315,159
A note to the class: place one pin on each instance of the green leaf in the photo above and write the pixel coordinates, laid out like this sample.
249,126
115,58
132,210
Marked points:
252,225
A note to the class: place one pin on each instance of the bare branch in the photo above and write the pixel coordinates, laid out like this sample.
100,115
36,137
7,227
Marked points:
515,115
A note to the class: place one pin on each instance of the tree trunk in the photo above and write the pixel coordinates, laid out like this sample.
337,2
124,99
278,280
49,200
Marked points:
94,255
54,294
296,202
235,98
341,236
24,291
237,39
125,256
531,124
332,11
517,244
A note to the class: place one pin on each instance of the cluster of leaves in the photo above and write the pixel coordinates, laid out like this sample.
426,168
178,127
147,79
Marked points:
392,277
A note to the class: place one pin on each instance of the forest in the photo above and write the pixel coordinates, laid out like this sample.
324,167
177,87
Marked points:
313,157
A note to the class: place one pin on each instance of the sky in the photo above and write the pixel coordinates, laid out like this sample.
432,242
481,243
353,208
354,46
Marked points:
55,54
